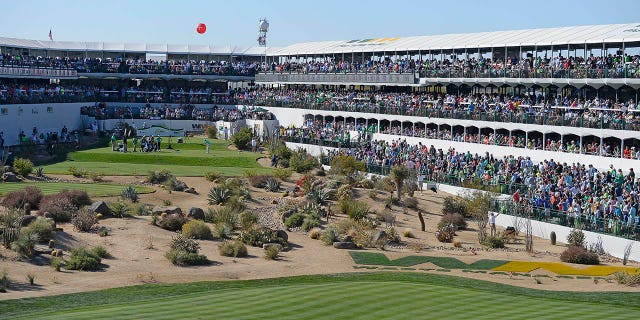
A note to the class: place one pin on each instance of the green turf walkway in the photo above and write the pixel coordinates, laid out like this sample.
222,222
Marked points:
350,296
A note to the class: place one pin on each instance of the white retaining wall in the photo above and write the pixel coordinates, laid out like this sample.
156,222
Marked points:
48,117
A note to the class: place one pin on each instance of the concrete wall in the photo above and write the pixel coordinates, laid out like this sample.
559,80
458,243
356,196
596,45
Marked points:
46,117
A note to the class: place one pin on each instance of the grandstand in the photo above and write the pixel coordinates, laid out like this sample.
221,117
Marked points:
565,95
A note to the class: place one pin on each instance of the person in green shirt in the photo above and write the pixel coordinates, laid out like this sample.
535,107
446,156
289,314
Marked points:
158,141
114,140
135,143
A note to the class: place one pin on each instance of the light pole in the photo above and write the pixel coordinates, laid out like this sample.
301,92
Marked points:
263,28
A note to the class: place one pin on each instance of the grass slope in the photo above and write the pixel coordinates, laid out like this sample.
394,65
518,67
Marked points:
186,159
93,189
374,258
394,295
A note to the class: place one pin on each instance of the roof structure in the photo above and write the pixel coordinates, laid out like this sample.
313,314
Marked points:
134,47
595,34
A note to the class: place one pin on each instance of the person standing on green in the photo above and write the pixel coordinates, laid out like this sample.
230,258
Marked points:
207,143
113,141
135,143
158,141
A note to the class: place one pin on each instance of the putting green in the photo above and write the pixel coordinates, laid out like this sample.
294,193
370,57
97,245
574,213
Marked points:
93,189
349,296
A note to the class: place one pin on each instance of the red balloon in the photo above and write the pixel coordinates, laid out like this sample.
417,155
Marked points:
201,28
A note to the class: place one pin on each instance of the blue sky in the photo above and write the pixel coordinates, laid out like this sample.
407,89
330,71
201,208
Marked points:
235,22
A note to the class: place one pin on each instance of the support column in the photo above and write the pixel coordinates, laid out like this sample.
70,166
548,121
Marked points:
581,144
544,140
621,148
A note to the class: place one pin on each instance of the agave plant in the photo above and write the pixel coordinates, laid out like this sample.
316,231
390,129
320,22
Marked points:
218,195
130,193
40,172
272,185
319,196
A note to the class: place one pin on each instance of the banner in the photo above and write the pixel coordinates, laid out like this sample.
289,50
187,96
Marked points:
160,131
36,72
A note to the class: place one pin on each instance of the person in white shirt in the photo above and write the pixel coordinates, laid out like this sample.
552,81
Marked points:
492,222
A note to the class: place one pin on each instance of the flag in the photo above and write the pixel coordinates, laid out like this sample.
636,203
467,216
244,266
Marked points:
50,35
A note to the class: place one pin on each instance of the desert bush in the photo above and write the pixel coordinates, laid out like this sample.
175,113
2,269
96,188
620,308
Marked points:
78,198
42,227
59,207
95,176
329,236
212,176
242,138
373,194
197,229
23,166
172,222
385,184
218,195
454,205
300,161
130,193
356,210
408,233
84,220
622,277
309,223
272,185
83,259
315,233
272,253
233,248
346,165
579,255
455,219
411,202
457,243
224,215
25,244
140,209
248,220
446,233
181,242
57,263
391,201
183,258
344,192
158,177
575,238
366,184
392,235
293,221
173,184
4,281
101,252
282,173
77,172
222,231
493,242
319,196
211,132
258,181
119,209
17,199
258,236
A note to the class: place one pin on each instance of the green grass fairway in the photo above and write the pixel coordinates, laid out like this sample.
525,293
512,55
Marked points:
186,159
93,189
347,296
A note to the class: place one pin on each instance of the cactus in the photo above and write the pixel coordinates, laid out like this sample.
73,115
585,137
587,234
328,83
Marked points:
51,243
218,195
130,193
422,226
553,238
272,185
40,172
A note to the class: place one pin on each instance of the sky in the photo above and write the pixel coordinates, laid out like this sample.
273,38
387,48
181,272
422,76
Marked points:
236,22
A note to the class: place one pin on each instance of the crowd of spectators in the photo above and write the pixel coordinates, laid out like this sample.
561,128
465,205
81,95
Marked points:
605,201
133,65
564,111
173,112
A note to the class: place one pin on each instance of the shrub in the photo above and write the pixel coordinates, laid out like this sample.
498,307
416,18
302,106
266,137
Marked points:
408,233
78,198
391,201
78,173
259,236
172,222
329,236
23,166
173,184
222,231
552,237
575,238
248,220
95,176
310,223
4,281
446,233
130,193
356,210
346,165
454,205
218,195
622,277
345,192
282,173
101,252
57,263
258,181
119,209
181,242
224,215
211,132
242,138
366,184
84,220
158,177
25,244
385,184
140,209
272,253
233,248
197,229
17,199
411,202
293,221
59,207
212,176
301,161
83,259
493,242
457,243
319,196
42,227
315,233
579,255
455,219
183,258
272,185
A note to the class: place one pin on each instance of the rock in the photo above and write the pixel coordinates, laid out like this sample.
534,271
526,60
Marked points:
191,190
282,235
9,177
347,239
26,220
344,245
7,169
196,213
99,207
158,210
378,236
267,245
179,185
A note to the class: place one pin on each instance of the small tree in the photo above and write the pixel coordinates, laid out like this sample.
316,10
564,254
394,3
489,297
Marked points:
242,138
399,174
477,204
346,165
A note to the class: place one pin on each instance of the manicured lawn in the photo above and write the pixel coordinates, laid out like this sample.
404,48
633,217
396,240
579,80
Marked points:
186,159
393,295
94,189
374,258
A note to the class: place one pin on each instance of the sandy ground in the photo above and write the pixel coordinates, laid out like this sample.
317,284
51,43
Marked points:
138,249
